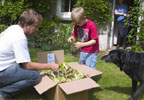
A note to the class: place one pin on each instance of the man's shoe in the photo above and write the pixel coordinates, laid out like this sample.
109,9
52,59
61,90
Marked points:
1,98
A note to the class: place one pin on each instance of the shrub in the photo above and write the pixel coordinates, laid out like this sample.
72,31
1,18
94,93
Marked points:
61,36
45,36
10,11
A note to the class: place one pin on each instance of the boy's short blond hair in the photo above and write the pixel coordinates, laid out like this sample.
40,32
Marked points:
77,14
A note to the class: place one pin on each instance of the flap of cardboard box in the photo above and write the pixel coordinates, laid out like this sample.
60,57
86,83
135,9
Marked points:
45,84
78,85
85,69
44,57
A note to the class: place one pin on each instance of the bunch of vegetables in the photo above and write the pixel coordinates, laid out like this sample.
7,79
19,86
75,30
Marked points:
64,74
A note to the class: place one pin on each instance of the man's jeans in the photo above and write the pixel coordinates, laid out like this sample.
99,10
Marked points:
16,78
88,59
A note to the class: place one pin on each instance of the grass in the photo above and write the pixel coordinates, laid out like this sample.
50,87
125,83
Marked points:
114,84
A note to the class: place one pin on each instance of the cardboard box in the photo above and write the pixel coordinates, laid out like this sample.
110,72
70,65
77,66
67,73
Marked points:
74,90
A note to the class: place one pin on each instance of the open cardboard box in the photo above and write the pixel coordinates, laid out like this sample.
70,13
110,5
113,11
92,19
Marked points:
74,90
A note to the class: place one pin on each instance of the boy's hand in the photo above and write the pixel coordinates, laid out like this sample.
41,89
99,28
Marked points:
78,45
84,44
71,39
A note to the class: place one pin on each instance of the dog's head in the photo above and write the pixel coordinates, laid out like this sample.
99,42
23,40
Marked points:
114,56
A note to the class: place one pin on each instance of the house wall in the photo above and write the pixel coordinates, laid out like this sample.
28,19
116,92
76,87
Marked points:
103,32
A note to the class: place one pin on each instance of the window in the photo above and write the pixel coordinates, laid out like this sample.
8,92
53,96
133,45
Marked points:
67,5
64,8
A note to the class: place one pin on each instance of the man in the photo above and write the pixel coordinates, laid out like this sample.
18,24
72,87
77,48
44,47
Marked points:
16,69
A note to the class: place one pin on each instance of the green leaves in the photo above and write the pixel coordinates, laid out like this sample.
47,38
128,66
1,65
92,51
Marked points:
10,11
2,28
64,74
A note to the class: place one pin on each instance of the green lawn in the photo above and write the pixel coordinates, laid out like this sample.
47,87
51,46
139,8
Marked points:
114,84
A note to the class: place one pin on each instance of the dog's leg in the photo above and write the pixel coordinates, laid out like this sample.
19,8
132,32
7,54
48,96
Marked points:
134,86
138,91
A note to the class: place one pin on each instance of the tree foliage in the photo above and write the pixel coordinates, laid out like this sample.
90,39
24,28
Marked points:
10,10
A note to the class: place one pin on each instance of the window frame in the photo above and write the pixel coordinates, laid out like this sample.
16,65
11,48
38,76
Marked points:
66,16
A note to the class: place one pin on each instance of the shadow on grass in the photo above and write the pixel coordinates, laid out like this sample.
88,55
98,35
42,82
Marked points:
29,94
91,92
97,78
124,90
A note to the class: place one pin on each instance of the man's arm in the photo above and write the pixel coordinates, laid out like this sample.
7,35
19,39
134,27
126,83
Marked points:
40,66
120,14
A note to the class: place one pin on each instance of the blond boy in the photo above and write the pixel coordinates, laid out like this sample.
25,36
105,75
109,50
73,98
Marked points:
86,31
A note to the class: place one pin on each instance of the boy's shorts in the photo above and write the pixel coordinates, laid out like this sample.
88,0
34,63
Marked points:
88,59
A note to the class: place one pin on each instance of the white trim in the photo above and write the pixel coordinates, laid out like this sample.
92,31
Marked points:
112,26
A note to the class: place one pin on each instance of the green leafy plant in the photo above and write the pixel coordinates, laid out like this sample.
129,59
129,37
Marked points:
10,11
64,74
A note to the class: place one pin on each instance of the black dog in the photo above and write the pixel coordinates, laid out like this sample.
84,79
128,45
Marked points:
132,64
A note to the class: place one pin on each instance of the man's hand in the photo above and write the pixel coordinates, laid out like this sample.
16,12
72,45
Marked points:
126,15
54,67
